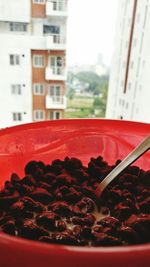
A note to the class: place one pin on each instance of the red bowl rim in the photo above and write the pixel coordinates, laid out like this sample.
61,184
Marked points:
21,243
36,125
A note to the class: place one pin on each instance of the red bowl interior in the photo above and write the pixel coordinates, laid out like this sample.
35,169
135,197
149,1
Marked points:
84,139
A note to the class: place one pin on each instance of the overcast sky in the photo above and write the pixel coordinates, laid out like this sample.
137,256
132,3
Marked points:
91,30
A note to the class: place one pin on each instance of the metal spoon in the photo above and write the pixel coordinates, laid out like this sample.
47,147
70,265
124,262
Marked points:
133,156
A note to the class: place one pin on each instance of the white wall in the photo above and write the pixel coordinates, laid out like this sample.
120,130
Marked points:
15,10
14,75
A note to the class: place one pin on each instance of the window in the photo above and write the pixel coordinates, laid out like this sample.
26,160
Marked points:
145,16
39,1
16,89
14,59
17,116
38,89
58,5
138,67
129,85
18,27
124,64
57,64
138,17
135,89
51,29
127,105
54,90
54,115
142,38
131,64
122,83
39,115
143,63
134,42
126,44
57,61
38,61
129,21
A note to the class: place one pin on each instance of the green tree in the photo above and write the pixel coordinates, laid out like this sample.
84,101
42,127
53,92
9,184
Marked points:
96,83
70,93
100,102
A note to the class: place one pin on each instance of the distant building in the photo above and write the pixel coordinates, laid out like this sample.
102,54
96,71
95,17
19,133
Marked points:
99,67
32,60
129,92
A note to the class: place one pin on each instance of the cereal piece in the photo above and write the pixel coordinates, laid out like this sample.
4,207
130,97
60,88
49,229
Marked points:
41,195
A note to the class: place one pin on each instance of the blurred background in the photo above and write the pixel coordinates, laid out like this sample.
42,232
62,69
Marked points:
74,59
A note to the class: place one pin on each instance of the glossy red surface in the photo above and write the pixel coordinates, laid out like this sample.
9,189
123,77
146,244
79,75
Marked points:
56,139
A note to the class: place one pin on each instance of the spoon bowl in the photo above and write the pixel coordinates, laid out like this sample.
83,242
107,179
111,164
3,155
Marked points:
138,151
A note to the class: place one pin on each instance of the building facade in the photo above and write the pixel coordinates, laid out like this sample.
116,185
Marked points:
129,91
32,60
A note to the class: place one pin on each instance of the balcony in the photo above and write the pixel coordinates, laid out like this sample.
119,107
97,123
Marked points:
55,74
56,102
56,8
56,42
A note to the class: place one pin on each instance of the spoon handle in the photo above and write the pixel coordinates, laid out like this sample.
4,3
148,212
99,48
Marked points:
135,154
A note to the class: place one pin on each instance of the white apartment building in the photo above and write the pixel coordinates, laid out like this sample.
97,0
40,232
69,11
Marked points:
32,60
129,87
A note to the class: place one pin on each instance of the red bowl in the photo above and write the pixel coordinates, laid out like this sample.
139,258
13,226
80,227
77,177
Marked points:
75,138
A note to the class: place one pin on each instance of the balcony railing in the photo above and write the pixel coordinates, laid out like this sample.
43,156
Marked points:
55,73
56,102
58,70
56,8
58,5
56,41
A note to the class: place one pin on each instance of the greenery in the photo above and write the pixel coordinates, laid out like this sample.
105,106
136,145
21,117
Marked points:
84,106
97,102
71,93
79,113
80,102
96,83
